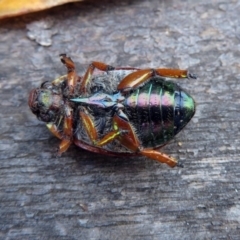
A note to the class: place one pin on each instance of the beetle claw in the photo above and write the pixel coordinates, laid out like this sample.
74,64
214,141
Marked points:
58,154
179,165
191,75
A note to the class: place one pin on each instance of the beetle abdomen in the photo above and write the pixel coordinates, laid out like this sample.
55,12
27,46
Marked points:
158,111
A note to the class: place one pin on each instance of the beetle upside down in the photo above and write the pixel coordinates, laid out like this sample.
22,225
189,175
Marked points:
114,111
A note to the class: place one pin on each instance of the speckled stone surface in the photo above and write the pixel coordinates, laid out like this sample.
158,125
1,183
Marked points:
88,196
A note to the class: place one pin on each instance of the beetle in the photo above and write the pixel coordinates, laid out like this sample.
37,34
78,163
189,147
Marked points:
115,111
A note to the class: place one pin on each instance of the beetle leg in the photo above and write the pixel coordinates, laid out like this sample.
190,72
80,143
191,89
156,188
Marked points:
59,80
66,135
54,130
88,124
87,76
72,76
130,141
67,130
125,134
136,79
160,157
66,140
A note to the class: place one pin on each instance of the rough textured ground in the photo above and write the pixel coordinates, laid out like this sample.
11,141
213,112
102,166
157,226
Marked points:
87,196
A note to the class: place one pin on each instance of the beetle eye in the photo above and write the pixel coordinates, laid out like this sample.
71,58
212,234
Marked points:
47,116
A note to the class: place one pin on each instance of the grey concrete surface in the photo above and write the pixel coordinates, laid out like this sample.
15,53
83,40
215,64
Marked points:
88,196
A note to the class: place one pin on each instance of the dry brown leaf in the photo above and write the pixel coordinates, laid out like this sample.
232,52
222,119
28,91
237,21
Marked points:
9,8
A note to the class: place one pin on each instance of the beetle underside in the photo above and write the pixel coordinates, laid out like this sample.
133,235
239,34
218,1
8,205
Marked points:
115,111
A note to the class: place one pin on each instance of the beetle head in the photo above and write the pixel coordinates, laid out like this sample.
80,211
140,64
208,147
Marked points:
44,102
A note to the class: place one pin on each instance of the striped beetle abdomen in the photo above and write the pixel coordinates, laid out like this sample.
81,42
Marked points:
159,110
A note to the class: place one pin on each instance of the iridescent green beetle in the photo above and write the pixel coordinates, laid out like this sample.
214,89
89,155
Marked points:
115,111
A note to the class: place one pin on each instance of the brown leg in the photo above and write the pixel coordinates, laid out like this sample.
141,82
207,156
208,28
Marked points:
88,124
125,134
131,142
72,76
59,80
54,130
87,76
136,79
160,157
66,135
65,143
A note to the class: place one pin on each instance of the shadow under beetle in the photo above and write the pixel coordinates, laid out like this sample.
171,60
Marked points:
114,111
